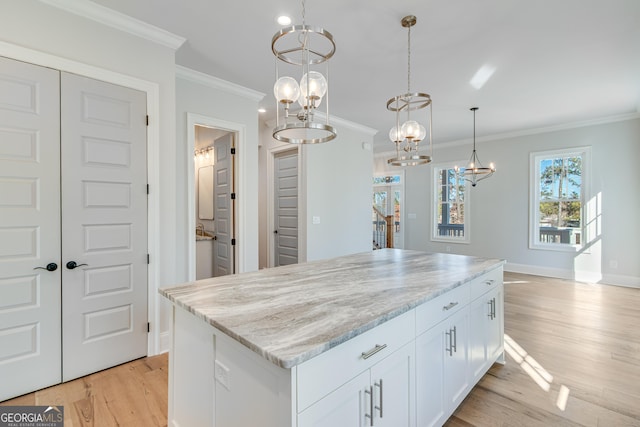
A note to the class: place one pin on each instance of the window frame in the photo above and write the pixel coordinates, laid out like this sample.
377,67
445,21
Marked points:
435,237
534,197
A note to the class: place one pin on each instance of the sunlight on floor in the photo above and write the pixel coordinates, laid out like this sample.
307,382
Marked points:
537,373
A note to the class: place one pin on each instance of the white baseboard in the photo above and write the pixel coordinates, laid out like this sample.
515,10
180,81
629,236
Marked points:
580,276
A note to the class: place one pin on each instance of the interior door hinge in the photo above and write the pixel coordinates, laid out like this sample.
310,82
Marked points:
233,196
233,242
148,327
147,188
147,120
233,150
148,259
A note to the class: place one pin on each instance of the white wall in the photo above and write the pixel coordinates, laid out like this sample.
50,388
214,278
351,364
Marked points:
207,96
500,205
336,186
48,36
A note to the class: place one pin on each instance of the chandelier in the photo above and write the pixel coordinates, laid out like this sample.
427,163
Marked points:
298,48
474,172
408,135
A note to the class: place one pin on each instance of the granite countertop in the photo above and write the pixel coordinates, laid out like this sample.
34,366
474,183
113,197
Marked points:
290,314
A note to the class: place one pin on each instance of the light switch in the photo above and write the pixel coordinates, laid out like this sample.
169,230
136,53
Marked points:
316,220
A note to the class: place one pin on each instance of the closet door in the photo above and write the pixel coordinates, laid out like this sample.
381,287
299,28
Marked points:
104,225
29,228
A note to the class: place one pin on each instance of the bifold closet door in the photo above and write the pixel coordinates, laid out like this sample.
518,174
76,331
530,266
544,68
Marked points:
30,273
104,225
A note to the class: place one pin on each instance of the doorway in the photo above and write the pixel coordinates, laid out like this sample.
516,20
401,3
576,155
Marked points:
285,203
388,194
212,197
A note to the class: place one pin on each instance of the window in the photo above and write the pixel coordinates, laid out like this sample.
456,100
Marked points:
450,206
557,200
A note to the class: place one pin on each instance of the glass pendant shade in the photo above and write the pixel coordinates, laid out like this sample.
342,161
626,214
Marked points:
286,90
395,135
317,85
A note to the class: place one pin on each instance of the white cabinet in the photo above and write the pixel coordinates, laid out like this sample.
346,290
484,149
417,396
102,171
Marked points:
458,342
487,331
380,396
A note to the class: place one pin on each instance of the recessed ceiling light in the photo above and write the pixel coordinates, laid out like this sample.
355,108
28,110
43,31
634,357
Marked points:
261,110
284,20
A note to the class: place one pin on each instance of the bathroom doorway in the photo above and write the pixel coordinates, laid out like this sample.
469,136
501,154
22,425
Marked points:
213,234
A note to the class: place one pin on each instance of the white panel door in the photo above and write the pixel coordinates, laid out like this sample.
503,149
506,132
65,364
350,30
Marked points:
29,228
286,208
223,251
104,225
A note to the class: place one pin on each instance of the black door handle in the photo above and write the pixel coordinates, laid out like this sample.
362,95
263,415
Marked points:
275,231
72,264
52,266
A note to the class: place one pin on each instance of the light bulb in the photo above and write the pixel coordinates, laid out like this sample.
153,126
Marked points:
422,132
394,135
286,90
410,129
316,90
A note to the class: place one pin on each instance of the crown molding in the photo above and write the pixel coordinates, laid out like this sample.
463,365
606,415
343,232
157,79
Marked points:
95,12
217,83
528,132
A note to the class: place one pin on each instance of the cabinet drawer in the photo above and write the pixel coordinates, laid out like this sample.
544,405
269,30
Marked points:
485,283
326,372
432,312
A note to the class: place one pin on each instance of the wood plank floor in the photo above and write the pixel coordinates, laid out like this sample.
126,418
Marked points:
573,359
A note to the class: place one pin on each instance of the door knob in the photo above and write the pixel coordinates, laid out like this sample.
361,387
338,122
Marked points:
52,266
275,231
72,264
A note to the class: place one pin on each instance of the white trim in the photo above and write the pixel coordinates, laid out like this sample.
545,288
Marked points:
271,155
240,221
525,132
579,276
165,342
534,190
119,21
216,83
153,160
403,200
466,239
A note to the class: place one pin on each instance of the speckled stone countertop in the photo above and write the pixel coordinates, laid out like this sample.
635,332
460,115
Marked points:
290,314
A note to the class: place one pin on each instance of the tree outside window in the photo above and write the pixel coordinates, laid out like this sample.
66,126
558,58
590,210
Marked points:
450,205
558,198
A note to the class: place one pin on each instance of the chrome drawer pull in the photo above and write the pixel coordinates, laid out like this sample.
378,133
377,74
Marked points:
489,282
379,408
374,350
449,306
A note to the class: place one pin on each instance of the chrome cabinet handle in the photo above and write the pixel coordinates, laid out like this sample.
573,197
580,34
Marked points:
370,393
450,349
72,264
455,340
493,308
52,266
489,282
449,306
374,350
379,408
490,302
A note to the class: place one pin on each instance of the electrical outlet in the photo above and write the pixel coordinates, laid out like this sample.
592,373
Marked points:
613,263
315,220
222,375
448,248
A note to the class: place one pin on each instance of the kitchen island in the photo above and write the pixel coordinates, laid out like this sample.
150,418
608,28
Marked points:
389,337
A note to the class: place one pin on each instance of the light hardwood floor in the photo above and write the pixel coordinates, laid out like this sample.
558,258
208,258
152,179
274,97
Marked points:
573,359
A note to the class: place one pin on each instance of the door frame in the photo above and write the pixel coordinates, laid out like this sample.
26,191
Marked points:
152,90
271,158
403,209
239,250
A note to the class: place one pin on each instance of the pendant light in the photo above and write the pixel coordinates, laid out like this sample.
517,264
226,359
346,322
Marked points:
408,135
475,172
298,48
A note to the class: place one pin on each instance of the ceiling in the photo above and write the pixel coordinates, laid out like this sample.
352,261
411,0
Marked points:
554,61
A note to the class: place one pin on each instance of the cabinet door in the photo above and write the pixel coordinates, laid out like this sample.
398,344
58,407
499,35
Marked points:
479,321
430,354
495,327
456,366
344,407
392,381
